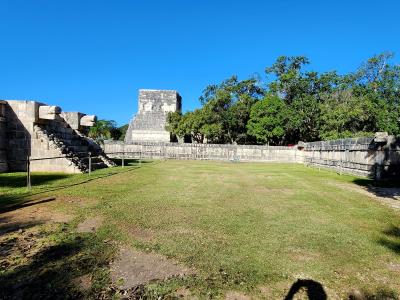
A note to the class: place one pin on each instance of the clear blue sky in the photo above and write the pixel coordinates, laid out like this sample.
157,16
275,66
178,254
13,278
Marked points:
93,56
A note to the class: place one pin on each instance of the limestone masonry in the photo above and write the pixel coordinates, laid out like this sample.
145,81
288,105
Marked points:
375,157
53,140
149,122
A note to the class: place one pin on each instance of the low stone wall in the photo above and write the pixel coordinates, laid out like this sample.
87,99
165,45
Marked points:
359,156
204,151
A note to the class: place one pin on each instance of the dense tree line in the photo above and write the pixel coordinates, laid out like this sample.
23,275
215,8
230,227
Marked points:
296,105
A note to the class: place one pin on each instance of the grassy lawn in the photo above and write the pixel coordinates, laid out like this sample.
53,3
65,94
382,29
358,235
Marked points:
254,228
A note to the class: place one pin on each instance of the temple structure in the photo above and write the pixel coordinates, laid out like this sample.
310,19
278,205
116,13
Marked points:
52,140
150,121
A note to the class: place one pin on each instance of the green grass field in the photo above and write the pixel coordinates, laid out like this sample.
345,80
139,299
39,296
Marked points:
254,228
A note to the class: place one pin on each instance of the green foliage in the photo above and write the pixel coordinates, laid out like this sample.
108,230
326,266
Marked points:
267,120
344,115
302,119
224,115
103,130
307,105
123,129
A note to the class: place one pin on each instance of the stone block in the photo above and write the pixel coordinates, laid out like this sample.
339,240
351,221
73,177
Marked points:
72,118
381,137
49,112
88,121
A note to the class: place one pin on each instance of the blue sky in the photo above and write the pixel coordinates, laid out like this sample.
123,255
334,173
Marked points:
93,56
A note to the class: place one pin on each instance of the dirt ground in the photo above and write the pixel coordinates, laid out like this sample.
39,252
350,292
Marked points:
19,236
89,225
35,212
133,268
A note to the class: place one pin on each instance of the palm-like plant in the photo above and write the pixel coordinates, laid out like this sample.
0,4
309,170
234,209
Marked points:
102,130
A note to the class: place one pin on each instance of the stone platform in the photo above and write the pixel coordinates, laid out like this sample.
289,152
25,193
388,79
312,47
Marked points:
54,141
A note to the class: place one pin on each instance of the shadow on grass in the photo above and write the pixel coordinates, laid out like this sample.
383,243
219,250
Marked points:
385,188
314,289
7,226
391,239
89,179
24,204
55,272
10,202
130,161
20,181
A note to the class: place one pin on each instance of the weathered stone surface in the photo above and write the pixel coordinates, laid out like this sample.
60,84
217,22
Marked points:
88,121
35,130
3,153
150,121
73,119
77,120
49,112
358,156
206,151
381,137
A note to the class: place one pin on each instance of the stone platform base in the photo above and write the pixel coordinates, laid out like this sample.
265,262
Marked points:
150,136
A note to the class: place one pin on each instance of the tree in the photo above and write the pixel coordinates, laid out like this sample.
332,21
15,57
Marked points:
122,130
379,81
103,130
226,109
302,91
224,113
173,121
300,105
189,124
267,120
344,115
302,117
289,81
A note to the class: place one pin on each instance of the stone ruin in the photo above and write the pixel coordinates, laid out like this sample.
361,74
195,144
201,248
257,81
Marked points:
55,141
150,121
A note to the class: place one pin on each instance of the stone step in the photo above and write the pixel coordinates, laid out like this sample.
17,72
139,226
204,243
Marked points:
81,154
70,140
76,149
74,146
76,142
98,165
95,159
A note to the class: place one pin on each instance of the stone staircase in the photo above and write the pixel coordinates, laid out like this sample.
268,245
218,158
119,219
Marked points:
74,146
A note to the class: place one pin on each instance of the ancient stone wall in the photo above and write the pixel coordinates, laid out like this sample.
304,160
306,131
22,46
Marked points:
25,137
20,116
38,131
204,151
358,156
3,141
149,122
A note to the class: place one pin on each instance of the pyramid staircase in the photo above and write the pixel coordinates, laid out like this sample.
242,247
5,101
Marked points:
75,147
